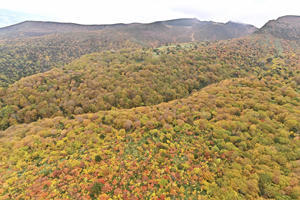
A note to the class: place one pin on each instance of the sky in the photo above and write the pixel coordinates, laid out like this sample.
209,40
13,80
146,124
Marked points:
256,12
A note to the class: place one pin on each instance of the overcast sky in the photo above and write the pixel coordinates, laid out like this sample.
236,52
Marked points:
256,12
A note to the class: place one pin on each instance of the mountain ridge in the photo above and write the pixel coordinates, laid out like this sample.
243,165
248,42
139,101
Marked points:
113,24
143,115
286,27
48,27
44,45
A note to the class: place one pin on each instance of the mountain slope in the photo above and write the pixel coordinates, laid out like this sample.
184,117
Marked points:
37,28
203,30
31,47
126,78
287,27
228,30
23,57
238,139
209,120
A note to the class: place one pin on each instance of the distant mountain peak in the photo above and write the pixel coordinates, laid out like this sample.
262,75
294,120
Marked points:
287,27
241,23
179,22
288,18
181,29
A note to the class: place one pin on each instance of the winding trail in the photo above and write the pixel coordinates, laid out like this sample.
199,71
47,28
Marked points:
192,37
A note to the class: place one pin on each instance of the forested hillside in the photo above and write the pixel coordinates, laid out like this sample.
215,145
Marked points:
238,139
287,27
31,47
142,117
23,57
127,78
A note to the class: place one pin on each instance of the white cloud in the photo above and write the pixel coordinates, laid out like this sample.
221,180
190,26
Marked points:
255,12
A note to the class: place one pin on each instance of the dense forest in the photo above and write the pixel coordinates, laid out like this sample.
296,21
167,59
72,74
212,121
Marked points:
21,58
84,116
238,139
131,78
32,47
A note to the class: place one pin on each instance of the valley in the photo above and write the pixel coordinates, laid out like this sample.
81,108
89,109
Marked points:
177,109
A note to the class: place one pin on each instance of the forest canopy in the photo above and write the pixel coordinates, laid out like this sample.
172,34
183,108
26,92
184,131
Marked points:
150,116
130,78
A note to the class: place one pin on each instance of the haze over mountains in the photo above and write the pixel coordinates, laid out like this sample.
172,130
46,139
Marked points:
186,29
177,109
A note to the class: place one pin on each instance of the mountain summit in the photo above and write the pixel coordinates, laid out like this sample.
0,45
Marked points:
177,30
286,27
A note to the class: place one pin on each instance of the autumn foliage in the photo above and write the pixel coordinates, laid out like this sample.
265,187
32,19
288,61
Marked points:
210,120
132,78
